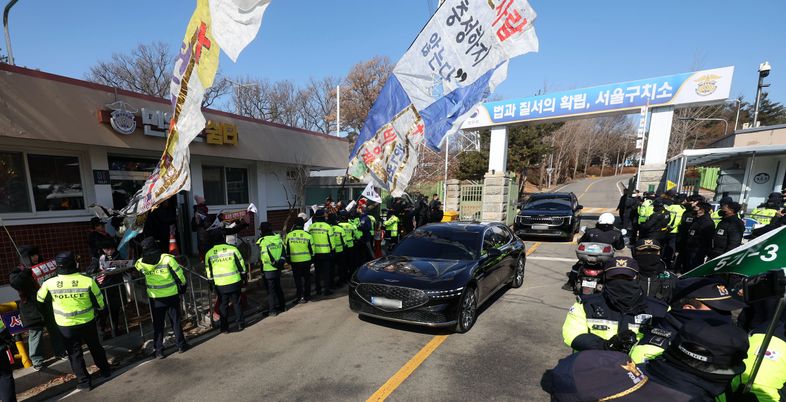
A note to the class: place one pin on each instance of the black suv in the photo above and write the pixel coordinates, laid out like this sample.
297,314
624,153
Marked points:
549,214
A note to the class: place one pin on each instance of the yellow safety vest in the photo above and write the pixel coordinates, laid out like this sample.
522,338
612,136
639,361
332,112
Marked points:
349,229
645,210
763,215
338,238
321,232
72,298
675,211
772,373
221,265
158,277
391,226
271,248
299,246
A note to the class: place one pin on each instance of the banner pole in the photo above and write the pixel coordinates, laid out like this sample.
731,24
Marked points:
765,343
11,238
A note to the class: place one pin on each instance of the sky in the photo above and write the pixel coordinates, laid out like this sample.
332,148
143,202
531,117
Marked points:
582,43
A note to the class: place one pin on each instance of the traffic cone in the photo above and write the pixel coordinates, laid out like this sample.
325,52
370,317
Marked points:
173,249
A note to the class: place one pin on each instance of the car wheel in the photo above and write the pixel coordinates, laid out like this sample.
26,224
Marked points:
518,274
468,310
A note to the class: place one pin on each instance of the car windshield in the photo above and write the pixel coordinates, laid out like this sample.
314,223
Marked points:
549,204
440,243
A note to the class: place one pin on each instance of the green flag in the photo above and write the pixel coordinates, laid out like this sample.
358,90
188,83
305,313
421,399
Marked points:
755,257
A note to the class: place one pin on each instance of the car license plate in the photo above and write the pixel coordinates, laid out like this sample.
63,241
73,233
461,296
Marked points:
385,302
540,227
589,284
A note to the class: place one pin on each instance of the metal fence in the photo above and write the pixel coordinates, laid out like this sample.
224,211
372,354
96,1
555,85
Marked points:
471,202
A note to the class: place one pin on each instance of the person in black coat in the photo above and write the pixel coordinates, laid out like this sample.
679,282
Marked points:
699,238
657,225
96,236
728,234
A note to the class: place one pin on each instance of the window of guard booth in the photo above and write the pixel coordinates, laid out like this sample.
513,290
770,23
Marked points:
213,184
127,175
56,182
237,185
14,195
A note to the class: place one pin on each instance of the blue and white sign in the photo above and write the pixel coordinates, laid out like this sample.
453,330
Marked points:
706,86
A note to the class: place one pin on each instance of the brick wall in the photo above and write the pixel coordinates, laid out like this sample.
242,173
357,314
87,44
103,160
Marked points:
50,239
277,218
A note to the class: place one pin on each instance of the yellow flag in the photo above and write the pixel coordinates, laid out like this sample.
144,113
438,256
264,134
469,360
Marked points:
670,185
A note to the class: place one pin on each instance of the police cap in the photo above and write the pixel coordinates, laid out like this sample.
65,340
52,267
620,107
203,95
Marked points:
647,245
599,375
709,291
709,347
624,266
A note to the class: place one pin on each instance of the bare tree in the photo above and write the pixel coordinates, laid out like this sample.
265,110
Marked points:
148,69
362,86
319,104
294,185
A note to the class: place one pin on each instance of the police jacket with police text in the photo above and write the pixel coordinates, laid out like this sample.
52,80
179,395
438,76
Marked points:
656,226
604,234
728,235
700,234
592,321
687,220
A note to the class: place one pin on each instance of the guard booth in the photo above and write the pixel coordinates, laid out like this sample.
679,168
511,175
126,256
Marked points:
746,174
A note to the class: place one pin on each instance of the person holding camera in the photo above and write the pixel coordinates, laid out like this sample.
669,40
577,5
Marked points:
611,320
165,283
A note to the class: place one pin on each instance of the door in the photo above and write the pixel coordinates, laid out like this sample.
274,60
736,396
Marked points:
507,263
488,263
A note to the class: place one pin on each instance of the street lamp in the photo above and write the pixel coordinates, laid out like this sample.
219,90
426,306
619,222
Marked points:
764,71
8,34
737,119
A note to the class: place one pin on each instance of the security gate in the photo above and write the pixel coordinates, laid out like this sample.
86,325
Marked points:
471,202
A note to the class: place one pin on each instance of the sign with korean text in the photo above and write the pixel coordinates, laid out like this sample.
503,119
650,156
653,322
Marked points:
155,123
755,257
44,271
455,62
706,86
13,321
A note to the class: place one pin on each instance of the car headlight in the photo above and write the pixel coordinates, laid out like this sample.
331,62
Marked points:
444,294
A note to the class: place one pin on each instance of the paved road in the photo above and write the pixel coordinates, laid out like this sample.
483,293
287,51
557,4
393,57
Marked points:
322,351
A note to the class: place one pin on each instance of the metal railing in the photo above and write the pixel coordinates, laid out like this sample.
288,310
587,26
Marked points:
471,202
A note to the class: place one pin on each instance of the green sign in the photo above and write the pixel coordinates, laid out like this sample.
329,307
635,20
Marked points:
755,257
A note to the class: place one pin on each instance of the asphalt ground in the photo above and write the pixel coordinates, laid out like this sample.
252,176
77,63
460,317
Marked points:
322,351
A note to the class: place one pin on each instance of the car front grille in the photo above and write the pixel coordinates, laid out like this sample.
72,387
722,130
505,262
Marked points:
418,315
541,220
409,297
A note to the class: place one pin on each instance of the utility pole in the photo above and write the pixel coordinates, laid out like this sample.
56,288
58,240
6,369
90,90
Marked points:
338,110
764,71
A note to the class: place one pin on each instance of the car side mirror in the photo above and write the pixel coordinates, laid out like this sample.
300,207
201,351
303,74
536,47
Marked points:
579,207
493,252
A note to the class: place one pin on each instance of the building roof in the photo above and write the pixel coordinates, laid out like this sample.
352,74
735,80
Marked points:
48,107
712,155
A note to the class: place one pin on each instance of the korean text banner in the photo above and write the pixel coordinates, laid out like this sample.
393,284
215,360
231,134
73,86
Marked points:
755,257
237,23
679,89
456,61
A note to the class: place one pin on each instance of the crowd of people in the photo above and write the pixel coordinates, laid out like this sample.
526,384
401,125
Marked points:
651,335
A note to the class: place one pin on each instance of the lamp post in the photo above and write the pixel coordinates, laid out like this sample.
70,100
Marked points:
7,34
737,119
764,71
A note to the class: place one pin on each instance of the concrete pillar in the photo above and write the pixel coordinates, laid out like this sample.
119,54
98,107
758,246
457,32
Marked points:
99,161
495,197
260,187
654,167
498,150
453,195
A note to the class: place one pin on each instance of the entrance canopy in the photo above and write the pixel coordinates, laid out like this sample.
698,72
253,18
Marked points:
709,156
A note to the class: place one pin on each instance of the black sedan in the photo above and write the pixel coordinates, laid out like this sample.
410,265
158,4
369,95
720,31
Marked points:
439,275
549,214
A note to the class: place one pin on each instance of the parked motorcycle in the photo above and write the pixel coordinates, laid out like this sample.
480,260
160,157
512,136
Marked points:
592,257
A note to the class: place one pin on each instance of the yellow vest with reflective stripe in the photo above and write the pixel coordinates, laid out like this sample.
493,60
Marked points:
391,226
321,233
299,246
158,277
71,299
675,212
373,222
645,210
772,373
763,215
349,231
338,238
270,250
221,267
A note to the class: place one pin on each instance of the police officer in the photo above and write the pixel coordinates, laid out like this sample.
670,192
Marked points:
698,241
695,299
391,229
75,299
366,227
322,235
644,208
226,271
675,209
339,269
728,233
702,360
657,224
352,236
165,283
654,278
299,251
770,382
271,254
688,217
717,214
766,211
7,384
611,320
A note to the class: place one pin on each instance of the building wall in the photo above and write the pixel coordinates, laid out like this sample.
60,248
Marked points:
50,239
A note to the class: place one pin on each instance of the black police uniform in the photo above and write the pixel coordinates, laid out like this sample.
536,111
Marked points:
604,234
654,278
728,235
656,226
698,242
